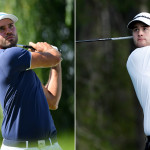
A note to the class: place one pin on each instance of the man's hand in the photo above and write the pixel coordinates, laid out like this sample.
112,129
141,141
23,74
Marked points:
44,55
42,46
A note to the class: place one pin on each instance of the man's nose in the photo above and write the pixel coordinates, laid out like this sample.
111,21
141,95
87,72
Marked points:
140,33
8,30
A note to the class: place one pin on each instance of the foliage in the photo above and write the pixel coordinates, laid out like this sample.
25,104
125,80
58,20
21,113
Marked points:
66,140
108,114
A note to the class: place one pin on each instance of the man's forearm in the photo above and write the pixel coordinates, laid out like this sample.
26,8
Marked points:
54,86
44,55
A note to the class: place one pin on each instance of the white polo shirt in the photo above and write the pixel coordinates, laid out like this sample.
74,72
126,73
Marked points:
138,66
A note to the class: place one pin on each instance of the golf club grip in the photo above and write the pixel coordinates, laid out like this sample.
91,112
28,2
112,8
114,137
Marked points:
27,46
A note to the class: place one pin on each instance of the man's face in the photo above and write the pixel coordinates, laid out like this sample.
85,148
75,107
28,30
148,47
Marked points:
8,34
141,34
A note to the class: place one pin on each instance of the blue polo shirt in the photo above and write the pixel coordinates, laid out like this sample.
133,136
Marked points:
26,114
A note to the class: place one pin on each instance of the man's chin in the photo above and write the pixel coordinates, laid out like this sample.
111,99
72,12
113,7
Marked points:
9,46
139,45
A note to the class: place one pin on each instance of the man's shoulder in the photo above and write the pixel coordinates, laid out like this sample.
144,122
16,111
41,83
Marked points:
140,51
13,52
142,48
15,57
139,56
10,51
13,49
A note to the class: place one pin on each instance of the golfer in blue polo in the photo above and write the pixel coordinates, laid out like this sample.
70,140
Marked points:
27,121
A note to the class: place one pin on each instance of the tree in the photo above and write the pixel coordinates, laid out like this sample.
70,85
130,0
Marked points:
106,103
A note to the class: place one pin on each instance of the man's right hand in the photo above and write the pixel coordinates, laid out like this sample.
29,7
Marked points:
41,46
44,55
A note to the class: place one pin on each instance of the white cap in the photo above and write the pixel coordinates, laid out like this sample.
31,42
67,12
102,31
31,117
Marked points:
8,16
142,17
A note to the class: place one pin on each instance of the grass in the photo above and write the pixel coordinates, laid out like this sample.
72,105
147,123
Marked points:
66,140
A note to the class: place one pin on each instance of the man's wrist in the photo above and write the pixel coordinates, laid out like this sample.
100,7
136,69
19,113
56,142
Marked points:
57,66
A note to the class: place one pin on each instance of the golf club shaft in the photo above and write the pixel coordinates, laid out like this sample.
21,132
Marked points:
105,39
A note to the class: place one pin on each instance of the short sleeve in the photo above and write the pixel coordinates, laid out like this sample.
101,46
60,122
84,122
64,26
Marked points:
15,59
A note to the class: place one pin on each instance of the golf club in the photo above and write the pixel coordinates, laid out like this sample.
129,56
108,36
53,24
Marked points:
25,46
105,39
28,46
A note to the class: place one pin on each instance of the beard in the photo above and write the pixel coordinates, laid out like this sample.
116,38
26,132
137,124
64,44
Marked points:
12,42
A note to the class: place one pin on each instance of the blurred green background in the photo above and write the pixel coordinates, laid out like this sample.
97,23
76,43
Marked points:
108,113
50,21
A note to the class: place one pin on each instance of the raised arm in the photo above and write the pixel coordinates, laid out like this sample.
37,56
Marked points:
47,56
44,55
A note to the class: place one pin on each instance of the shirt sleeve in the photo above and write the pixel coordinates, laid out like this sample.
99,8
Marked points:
16,59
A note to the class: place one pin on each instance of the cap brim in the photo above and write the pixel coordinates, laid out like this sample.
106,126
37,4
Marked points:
140,19
9,16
